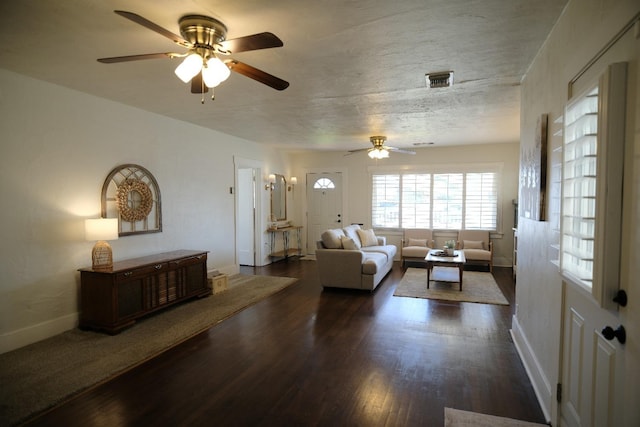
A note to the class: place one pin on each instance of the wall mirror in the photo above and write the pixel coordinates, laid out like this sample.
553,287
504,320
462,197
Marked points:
279,199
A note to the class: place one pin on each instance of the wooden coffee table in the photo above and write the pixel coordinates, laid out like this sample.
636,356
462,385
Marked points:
456,261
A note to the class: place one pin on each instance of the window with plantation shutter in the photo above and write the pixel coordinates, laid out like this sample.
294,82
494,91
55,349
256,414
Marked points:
481,201
386,201
445,201
416,201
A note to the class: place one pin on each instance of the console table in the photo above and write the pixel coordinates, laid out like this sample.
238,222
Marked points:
284,234
112,300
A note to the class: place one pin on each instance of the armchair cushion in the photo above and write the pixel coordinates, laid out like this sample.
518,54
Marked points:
477,246
472,244
417,242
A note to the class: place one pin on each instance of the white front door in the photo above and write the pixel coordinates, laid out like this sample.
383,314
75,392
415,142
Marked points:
600,372
324,204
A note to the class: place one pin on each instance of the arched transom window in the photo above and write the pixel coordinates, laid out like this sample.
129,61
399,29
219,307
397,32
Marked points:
323,183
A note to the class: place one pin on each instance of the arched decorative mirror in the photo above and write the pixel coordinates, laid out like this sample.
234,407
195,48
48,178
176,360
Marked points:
279,199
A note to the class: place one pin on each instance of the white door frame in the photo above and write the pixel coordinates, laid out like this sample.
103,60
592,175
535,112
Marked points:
242,163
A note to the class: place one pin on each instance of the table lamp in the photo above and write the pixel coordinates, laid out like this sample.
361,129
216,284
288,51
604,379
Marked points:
101,229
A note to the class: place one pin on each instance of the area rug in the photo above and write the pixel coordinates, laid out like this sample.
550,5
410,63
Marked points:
37,377
477,286
458,418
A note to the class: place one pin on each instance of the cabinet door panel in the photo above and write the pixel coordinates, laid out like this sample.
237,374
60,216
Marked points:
129,298
196,278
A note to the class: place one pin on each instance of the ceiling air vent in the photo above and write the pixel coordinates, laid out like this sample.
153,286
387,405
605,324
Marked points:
441,79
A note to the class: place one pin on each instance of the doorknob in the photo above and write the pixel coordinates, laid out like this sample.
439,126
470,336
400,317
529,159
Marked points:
619,333
621,298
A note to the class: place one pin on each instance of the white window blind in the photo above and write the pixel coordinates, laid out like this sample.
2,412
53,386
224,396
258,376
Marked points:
416,200
579,188
435,200
447,200
481,200
385,201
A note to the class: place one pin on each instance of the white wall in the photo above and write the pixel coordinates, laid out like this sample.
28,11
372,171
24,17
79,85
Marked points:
57,147
357,182
585,27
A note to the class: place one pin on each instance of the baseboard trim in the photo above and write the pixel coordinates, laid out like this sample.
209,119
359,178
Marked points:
31,334
538,379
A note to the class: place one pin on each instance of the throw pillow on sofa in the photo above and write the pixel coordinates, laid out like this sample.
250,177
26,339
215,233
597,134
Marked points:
349,244
331,239
352,232
367,237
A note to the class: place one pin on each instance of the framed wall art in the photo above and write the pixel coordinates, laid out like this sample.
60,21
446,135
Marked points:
533,174
131,194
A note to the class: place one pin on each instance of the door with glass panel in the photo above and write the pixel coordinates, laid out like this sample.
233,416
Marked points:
324,204
593,348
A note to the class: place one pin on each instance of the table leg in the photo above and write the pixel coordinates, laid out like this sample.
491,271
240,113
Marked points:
429,267
461,267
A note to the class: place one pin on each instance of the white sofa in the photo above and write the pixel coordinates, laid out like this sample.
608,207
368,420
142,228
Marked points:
353,258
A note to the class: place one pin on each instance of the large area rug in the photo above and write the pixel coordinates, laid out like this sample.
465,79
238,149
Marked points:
458,418
477,286
36,377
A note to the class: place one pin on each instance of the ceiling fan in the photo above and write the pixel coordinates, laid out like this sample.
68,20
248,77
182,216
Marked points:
205,40
379,150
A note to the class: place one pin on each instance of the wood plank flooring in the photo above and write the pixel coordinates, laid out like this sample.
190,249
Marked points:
313,357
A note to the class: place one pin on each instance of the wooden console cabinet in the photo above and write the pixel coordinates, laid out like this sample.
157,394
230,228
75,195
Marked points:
113,300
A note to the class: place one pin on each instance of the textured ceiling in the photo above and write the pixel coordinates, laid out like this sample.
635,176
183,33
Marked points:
356,67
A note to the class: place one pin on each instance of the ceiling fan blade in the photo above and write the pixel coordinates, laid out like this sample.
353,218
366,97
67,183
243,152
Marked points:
116,59
357,151
398,150
252,42
197,85
154,27
257,75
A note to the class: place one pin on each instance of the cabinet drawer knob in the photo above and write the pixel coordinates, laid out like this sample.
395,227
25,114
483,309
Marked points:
158,267
128,273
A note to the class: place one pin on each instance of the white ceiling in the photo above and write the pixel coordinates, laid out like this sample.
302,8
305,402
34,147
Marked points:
356,67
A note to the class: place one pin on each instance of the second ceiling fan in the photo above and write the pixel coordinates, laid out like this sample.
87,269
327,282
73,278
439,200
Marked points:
205,39
379,150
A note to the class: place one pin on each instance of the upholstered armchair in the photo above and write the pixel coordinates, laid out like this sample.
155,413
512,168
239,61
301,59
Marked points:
477,247
416,243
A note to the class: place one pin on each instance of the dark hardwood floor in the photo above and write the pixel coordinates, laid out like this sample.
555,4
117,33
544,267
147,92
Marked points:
313,357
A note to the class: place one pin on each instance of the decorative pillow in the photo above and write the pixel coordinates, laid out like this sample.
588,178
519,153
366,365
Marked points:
352,231
331,239
417,242
367,237
473,244
348,243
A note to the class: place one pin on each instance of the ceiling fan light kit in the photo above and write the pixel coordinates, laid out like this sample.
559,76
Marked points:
205,37
379,150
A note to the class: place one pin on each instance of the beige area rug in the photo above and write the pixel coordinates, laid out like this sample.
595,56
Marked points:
458,418
477,286
36,377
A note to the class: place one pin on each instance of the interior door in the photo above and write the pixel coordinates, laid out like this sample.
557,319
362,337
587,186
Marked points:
246,216
324,203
